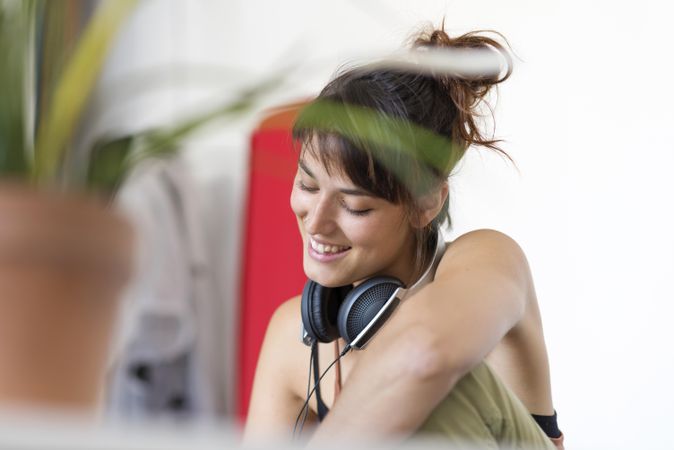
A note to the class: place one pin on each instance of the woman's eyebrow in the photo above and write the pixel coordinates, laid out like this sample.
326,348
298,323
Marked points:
359,192
348,191
305,168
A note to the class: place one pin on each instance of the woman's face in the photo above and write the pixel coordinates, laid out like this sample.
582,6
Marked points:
348,234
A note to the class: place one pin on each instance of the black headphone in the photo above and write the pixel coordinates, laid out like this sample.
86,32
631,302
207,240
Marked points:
356,314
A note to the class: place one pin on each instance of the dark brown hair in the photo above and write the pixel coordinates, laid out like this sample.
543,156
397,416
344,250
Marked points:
400,133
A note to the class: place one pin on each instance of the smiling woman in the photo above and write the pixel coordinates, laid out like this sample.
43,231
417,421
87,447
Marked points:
464,357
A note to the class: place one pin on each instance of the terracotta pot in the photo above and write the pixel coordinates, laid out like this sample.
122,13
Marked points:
64,261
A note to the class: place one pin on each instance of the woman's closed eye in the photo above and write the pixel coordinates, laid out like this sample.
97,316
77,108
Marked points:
307,188
355,211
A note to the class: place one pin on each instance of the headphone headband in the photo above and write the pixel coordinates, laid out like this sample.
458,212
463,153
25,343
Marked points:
429,273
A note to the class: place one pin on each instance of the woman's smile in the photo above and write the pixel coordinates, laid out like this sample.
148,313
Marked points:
325,252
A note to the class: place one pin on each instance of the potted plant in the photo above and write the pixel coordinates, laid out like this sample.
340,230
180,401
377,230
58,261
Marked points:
65,256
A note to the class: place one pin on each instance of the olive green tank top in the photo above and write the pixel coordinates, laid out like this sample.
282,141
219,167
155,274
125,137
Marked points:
481,412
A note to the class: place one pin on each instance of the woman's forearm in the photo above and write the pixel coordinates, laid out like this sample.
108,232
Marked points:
391,392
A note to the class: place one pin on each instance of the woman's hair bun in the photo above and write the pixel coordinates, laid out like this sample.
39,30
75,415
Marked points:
437,38
467,92
474,40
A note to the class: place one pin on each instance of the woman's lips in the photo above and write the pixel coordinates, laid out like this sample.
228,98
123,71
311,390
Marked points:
325,257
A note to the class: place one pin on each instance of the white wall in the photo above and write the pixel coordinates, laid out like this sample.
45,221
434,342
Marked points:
586,115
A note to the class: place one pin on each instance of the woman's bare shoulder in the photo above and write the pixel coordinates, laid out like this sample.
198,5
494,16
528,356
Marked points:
283,354
286,322
485,247
280,376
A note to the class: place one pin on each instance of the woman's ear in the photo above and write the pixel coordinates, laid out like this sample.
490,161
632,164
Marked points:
430,205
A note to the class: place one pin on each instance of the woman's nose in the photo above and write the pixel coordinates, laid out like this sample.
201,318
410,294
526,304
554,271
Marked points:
319,218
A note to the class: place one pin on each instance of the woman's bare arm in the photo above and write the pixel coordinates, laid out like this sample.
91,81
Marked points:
445,330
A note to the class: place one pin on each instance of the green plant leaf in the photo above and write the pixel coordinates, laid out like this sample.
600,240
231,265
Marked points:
158,141
112,160
16,30
74,87
107,167
391,140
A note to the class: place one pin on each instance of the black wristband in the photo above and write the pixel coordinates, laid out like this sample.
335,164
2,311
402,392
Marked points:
548,424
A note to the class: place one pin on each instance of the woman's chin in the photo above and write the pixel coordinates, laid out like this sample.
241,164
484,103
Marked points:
323,278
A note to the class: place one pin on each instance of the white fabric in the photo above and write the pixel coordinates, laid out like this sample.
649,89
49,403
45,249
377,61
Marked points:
161,332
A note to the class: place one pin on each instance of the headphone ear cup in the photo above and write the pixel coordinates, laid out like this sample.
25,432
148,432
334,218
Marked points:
320,306
362,304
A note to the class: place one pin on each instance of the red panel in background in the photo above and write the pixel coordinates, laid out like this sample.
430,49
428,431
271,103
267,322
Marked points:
272,255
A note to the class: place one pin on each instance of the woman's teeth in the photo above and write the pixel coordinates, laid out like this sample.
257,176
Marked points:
321,248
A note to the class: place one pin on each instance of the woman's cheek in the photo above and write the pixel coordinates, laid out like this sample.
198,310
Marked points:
361,231
296,203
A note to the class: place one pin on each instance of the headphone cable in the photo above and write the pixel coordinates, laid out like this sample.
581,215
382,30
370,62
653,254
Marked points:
312,359
305,406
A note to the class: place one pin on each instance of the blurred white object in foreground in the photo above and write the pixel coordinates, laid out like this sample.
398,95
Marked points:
62,432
